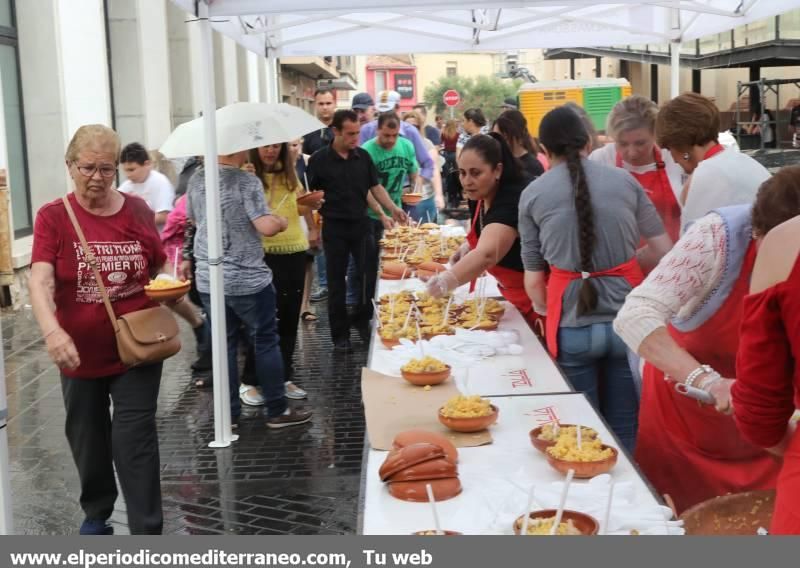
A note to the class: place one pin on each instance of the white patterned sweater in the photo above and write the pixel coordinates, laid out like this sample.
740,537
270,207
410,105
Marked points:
680,284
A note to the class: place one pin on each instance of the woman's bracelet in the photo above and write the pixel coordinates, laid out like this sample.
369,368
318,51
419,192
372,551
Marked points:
697,373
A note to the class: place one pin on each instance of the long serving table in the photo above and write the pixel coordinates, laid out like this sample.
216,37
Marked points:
529,390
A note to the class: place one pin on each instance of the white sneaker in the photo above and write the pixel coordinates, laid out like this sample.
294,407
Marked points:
294,392
251,396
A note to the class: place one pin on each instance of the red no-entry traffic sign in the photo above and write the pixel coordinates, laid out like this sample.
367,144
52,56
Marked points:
451,97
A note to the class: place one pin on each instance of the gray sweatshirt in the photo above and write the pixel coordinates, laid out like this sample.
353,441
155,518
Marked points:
548,227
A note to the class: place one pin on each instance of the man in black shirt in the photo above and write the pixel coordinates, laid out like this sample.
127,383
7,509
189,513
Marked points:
325,105
347,175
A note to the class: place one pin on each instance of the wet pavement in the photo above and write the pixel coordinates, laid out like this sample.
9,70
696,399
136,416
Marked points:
300,480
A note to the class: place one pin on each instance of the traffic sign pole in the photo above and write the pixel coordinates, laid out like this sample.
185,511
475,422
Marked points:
451,98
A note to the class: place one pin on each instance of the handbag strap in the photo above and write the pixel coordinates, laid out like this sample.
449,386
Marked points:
90,258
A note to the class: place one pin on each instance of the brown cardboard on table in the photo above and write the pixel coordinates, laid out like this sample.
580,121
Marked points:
392,405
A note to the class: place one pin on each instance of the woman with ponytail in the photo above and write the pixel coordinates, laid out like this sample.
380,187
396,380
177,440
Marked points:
584,220
492,180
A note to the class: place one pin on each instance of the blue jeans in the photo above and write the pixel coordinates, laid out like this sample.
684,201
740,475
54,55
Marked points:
322,271
425,210
257,313
595,361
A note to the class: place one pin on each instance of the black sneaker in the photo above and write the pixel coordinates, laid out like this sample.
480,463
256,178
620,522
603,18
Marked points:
96,527
292,417
342,345
203,362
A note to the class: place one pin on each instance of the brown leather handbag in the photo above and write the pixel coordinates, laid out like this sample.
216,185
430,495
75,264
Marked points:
144,336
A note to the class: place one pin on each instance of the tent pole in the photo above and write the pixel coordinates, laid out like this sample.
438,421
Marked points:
675,69
272,79
6,513
219,343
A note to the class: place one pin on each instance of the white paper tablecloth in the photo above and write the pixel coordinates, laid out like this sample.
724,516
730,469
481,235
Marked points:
532,372
497,478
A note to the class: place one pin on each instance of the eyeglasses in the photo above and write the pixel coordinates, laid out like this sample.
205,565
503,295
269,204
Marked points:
88,171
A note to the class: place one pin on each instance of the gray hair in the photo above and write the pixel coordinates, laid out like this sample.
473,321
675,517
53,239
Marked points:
95,137
632,113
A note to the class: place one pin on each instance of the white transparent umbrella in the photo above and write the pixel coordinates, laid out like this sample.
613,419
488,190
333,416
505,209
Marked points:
242,126
231,129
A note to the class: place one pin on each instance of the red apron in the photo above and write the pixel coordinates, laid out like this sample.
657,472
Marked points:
557,285
785,519
510,282
688,450
659,189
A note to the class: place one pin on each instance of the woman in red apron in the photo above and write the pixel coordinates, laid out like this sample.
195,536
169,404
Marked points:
492,180
632,125
685,320
767,383
584,221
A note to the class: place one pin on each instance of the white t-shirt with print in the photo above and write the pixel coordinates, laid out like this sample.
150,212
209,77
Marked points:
156,190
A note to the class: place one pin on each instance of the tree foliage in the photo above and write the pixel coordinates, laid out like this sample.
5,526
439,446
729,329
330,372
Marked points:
485,92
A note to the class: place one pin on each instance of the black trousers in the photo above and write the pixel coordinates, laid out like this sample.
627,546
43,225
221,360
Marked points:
342,238
127,441
289,279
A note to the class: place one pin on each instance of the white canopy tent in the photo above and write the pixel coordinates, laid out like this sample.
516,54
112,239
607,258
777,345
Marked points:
345,27
281,28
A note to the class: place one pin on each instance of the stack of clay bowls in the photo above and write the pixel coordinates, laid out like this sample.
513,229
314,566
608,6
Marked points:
419,458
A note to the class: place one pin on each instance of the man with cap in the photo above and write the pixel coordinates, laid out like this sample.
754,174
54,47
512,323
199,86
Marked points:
364,107
389,101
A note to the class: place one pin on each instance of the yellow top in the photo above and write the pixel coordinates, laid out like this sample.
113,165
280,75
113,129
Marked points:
292,239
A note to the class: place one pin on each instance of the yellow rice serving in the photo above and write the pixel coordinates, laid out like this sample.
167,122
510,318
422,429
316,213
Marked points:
466,407
424,365
566,448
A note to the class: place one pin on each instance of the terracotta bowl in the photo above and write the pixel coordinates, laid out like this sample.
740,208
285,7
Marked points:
389,343
418,436
423,379
542,445
432,532
584,470
413,454
415,491
386,276
412,198
441,259
310,197
496,314
439,468
587,524
737,514
168,294
485,327
475,424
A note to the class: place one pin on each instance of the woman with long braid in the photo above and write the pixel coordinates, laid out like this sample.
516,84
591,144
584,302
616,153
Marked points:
584,220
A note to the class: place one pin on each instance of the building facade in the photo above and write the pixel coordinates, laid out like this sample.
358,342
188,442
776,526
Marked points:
130,64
